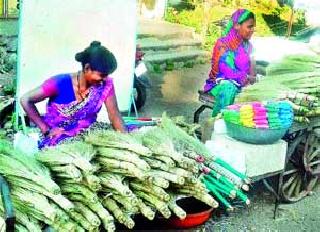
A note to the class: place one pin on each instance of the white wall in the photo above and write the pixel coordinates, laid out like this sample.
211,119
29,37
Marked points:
51,32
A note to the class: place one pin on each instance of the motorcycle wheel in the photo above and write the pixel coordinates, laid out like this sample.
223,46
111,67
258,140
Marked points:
140,96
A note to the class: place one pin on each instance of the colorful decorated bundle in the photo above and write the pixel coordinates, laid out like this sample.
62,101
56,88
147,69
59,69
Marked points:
272,114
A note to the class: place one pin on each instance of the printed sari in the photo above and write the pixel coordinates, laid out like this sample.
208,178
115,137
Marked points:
75,117
230,65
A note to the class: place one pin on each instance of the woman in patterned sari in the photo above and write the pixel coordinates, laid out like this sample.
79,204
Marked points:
232,67
75,98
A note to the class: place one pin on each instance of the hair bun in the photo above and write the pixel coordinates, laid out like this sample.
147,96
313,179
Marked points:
95,44
79,57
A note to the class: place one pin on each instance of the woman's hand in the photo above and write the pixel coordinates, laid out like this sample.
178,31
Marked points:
114,114
56,132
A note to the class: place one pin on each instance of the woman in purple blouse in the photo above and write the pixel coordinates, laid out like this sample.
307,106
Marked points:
76,98
232,67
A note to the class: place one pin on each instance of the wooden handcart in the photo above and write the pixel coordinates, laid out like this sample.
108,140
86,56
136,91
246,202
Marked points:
302,162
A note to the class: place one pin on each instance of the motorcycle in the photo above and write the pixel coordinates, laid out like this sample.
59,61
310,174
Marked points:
140,82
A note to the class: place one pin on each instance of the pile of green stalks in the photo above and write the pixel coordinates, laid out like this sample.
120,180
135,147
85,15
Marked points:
110,177
295,79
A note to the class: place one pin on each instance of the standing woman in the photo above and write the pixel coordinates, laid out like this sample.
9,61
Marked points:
75,98
232,67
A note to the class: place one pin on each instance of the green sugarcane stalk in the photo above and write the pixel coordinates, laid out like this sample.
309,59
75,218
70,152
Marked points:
158,204
123,155
232,170
104,215
192,180
189,191
221,178
207,199
189,164
78,189
167,160
242,197
198,186
154,190
79,197
77,217
220,187
114,182
92,182
177,210
224,172
146,210
158,181
87,213
181,172
169,176
157,164
112,206
216,193
129,203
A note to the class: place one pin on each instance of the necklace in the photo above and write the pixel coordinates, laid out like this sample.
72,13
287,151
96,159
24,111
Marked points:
82,94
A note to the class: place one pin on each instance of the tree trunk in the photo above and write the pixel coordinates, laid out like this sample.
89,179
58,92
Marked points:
290,23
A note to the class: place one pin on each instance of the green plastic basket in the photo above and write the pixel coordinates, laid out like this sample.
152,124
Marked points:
254,135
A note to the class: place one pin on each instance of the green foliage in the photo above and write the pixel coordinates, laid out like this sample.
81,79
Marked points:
189,64
169,65
271,19
212,35
157,68
9,89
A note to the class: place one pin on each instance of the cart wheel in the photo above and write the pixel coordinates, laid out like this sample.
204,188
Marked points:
303,169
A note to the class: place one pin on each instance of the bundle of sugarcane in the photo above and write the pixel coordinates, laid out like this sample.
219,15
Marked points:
163,151
173,167
74,171
118,161
109,138
194,149
123,202
105,164
118,211
119,156
72,161
138,182
14,165
76,154
36,199
30,223
222,187
136,173
124,162
198,190
33,204
89,212
32,187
